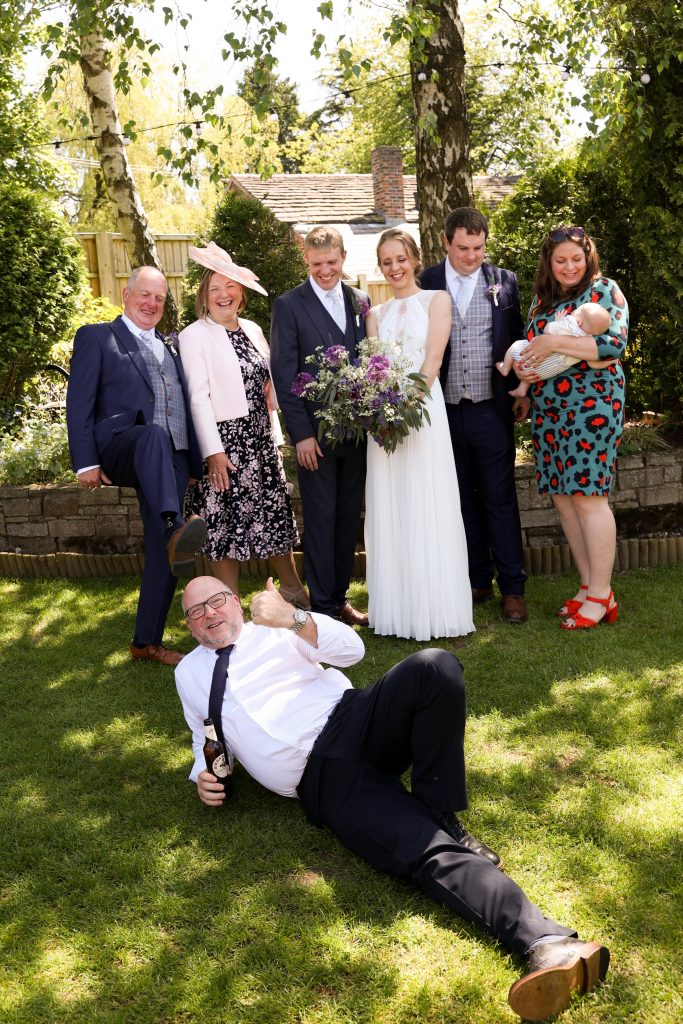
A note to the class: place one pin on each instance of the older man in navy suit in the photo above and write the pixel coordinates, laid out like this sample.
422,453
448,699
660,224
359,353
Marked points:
486,319
128,424
322,312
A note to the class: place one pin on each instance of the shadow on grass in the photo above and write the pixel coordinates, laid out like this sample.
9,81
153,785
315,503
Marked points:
125,899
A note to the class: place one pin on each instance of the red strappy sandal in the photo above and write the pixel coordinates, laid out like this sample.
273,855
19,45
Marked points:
579,621
571,606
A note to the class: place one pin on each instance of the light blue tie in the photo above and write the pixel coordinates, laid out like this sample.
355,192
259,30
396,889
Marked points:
154,344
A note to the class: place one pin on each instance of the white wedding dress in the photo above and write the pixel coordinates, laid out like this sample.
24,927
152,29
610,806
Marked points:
418,582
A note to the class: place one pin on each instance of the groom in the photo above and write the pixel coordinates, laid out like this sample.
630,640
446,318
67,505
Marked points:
486,319
322,312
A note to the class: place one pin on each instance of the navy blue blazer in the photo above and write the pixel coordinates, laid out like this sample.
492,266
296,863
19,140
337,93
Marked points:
110,390
299,325
507,326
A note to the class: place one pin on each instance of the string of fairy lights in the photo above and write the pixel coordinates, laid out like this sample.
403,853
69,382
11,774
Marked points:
345,94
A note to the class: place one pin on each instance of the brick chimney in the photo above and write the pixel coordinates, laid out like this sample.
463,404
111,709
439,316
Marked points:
387,183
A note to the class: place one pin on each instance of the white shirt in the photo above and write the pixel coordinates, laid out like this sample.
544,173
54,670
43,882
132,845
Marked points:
461,286
278,697
327,302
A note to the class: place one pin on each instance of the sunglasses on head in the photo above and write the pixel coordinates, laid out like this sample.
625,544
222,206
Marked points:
573,234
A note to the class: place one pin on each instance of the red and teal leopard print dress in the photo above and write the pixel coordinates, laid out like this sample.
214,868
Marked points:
578,416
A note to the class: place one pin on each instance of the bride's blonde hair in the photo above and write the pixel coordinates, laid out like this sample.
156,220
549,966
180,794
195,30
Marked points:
408,242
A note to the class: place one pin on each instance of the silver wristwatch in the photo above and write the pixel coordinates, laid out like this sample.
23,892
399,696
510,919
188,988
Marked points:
300,620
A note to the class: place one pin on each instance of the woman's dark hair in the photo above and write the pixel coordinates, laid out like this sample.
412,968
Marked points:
201,305
408,242
548,291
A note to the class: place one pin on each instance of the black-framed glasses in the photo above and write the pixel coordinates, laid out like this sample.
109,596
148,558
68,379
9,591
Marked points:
571,234
198,611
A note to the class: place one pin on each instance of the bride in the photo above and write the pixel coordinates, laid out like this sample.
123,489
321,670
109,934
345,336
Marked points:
418,582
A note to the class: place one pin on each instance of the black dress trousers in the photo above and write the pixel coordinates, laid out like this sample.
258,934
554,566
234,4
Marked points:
414,715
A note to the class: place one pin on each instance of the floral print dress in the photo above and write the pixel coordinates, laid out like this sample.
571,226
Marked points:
254,517
578,416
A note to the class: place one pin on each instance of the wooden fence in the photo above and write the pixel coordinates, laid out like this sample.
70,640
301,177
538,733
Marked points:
108,266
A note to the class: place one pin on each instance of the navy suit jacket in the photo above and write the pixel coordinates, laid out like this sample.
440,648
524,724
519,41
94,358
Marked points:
110,390
298,326
506,326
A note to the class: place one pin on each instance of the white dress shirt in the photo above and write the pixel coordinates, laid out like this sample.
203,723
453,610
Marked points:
278,697
461,287
333,301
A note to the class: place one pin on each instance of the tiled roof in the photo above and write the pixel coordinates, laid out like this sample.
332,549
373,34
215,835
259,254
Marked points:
341,198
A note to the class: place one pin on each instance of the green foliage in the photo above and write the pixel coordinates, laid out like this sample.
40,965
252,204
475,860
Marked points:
256,239
269,95
34,447
22,132
41,280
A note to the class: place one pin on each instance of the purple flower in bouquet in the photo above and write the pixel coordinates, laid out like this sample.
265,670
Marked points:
334,355
300,385
378,367
390,397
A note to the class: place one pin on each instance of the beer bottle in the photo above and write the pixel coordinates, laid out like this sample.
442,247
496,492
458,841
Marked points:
217,763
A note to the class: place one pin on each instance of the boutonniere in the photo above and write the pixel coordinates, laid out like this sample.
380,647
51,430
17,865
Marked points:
493,284
361,307
170,340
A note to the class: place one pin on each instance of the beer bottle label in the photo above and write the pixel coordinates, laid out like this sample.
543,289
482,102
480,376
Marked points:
219,767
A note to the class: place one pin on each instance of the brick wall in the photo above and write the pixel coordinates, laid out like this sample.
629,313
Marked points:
57,524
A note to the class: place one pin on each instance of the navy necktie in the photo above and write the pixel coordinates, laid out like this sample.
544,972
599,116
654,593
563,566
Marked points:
218,683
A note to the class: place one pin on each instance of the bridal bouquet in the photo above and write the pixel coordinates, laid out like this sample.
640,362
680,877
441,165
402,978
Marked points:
373,394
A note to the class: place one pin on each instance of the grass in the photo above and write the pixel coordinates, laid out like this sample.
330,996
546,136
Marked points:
124,900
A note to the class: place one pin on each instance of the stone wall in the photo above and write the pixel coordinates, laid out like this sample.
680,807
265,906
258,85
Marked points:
51,530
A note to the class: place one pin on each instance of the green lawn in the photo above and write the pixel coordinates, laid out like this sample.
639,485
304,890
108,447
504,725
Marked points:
123,899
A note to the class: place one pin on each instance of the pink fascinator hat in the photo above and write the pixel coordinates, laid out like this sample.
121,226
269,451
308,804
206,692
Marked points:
217,259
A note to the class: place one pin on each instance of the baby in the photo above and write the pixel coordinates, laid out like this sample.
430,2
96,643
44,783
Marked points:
590,318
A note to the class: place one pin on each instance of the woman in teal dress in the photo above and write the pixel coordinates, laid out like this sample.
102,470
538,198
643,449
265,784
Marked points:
578,416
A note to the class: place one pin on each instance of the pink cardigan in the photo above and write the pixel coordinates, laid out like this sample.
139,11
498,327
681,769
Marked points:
214,380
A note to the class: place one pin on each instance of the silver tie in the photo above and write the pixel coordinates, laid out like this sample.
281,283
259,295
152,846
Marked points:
153,343
337,310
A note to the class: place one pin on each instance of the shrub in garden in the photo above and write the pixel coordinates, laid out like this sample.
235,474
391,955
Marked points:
255,238
41,281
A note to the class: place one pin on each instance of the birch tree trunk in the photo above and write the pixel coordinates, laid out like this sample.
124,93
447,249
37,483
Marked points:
444,177
130,213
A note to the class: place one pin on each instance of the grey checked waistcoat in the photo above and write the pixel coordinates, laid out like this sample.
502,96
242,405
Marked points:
169,403
471,365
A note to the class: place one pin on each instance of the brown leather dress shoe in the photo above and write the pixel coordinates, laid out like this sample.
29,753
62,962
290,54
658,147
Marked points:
514,608
183,545
555,971
481,594
351,616
157,652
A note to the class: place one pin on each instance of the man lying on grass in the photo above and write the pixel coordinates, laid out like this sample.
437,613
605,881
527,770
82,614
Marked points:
303,731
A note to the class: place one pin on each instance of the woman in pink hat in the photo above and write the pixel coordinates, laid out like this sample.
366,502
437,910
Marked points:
243,495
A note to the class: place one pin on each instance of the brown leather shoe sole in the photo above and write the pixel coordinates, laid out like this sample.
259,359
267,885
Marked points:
184,544
159,653
548,991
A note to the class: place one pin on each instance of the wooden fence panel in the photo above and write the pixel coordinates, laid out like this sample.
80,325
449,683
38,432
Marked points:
108,266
